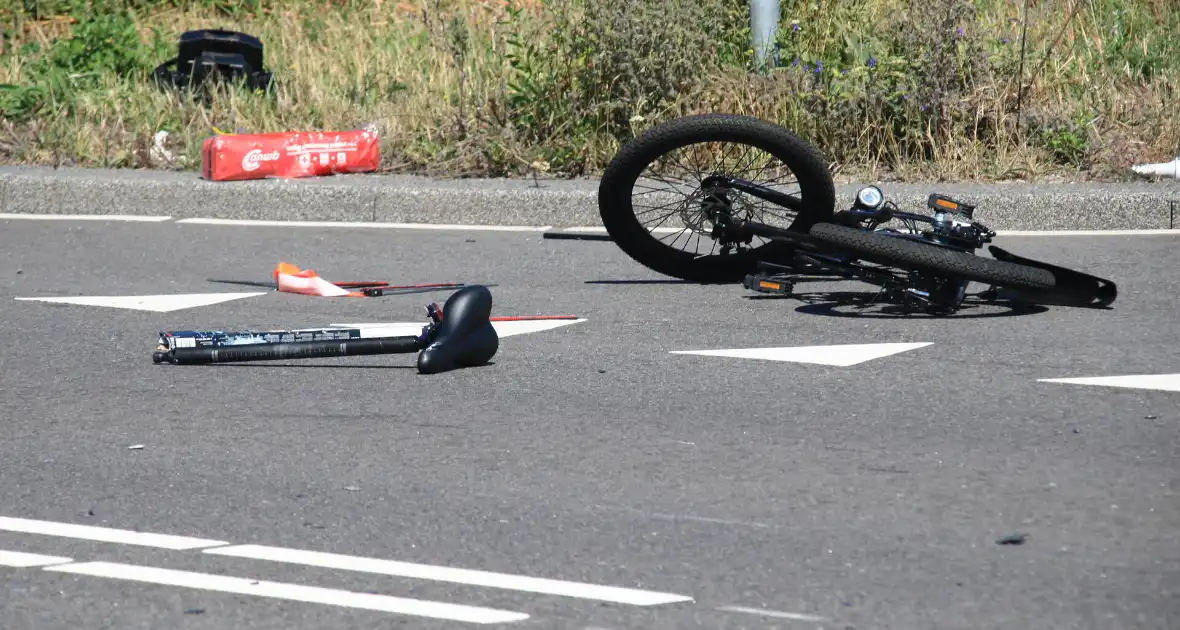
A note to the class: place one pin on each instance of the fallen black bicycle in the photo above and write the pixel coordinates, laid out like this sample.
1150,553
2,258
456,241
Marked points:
923,261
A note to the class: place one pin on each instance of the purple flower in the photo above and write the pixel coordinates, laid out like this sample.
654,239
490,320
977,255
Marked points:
872,62
795,26
819,66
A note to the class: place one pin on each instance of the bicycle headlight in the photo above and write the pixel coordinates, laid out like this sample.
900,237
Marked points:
870,197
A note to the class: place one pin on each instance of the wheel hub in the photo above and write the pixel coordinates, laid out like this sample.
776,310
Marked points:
717,208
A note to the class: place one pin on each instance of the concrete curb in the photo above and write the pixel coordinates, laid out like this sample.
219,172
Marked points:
559,203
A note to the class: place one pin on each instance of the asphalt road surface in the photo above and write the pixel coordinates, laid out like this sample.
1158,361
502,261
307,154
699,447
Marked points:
713,492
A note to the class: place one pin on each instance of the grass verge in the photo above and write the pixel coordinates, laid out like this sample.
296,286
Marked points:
888,89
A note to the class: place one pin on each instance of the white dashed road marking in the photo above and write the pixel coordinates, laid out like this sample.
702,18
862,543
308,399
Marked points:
292,592
449,574
104,534
780,614
296,592
22,560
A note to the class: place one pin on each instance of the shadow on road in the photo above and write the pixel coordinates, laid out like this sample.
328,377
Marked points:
322,366
334,366
866,304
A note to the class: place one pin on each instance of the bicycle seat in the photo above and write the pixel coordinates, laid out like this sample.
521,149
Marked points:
465,337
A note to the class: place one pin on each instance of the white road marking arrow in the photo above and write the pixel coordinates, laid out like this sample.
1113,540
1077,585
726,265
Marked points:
503,329
1161,382
155,303
838,355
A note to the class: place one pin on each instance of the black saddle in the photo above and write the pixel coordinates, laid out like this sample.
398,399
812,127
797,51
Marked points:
464,335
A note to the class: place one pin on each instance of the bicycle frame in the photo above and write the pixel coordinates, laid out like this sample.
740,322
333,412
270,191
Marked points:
952,227
874,217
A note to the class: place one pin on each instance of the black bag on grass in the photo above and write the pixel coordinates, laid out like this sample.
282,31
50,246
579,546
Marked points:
214,53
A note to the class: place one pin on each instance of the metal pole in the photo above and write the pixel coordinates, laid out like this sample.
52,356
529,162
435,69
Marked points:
764,18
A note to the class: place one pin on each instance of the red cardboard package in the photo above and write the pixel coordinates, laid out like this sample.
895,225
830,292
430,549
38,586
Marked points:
289,154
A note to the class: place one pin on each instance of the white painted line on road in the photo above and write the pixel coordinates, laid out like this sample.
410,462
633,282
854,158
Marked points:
292,592
772,613
104,534
365,224
592,229
837,355
493,228
449,574
1087,232
86,217
154,303
21,560
1162,382
1147,232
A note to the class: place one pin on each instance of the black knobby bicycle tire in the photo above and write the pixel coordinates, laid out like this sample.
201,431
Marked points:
908,254
618,214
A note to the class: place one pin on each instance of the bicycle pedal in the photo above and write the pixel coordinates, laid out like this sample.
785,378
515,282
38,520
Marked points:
948,204
767,284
